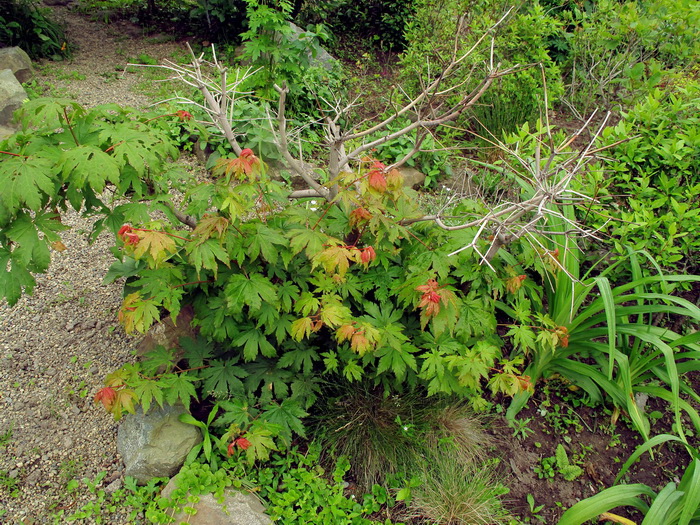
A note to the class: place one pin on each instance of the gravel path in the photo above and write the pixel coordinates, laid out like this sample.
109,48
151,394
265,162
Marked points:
57,345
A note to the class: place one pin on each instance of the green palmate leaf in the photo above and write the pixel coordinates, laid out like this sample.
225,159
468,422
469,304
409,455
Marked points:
299,359
251,291
146,391
223,378
352,371
261,443
179,388
265,241
14,277
523,338
311,241
234,412
205,254
30,250
158,360
287,415
396,360
26,182
89,165
253,342
48,112
196,351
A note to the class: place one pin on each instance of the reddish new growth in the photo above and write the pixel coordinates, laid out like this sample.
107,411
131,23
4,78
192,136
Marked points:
514,283
240,442
430,300
359,215
245,164
106,396
183,115
126,234
367,255
376,178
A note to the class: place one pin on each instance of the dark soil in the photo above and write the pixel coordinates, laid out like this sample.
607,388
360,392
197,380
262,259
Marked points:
591,441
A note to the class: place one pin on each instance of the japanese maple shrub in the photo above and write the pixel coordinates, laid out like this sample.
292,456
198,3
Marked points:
286,296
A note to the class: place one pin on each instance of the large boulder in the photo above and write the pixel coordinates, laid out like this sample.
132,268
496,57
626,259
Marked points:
16,60
155,444
237,508
12,95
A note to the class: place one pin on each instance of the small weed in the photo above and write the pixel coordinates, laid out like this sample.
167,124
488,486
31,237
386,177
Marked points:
5,438
9,484
520,427
535,509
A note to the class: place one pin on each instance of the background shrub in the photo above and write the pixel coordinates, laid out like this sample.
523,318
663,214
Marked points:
23,23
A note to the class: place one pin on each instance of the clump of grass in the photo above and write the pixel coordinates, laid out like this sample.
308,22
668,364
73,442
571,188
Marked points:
373,431
385,435
456,492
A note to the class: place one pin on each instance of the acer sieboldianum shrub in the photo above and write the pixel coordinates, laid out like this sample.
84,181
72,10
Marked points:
283,296
286,297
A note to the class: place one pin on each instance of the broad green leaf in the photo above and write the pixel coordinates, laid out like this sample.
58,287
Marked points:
223,378
86,164
251,291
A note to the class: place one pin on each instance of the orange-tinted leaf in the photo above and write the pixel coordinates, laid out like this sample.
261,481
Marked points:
394,180
58,246
360,344
242,443
359,216
208,226
345,333
377,181
367,255
514,283
107,396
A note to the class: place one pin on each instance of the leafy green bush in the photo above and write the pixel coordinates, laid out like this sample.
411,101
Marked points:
618,42
380,23
286,57
522,40
24,24
294,487
654,178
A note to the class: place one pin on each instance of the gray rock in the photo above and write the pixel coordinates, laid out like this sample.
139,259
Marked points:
114,486
18,61
322,59
155,444
12,95
237,508
6,131
411,177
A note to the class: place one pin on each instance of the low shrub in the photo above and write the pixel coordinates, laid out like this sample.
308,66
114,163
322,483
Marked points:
26,25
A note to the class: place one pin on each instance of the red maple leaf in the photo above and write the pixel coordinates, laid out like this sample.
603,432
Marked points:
367,255
430,300
242,443
106,396
377,181
183,115
126,234
246,164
